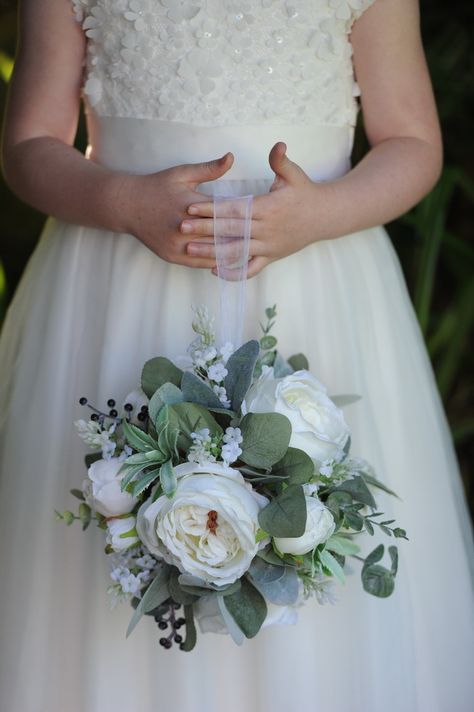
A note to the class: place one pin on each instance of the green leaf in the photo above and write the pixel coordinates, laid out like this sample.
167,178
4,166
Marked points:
375,555
248,608
296,465
240,367
78,494
189,417
268,342
265,438
131,473
196,391
168,479
393,551
137,438
92,457
177,593
277,584
85,515
156,594
191,635
268,554
281,368
157,372
299,362
167,394
285,516
371,480
342,545
140,485
358,490
354,520
343,400
328,560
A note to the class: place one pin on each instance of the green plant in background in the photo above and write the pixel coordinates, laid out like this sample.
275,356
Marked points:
434,241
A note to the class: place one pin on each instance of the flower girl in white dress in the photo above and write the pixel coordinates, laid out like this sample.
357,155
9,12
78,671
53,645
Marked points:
269,87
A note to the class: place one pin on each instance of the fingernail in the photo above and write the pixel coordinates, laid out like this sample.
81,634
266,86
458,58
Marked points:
193,249
192,210
186,227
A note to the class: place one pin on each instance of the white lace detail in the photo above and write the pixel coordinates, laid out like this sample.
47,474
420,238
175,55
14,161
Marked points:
222,62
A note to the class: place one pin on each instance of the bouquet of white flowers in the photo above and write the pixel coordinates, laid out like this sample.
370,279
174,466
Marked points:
227,489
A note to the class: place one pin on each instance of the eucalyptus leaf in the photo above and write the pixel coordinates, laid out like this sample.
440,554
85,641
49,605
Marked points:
266,437
268,342
281,368
296,465
299,362
240,367
79,494
167,394
85,515
196,391
92,457
268,554
343,400
358,490
248,608
285,515
157,372
188,418
261,571
371,480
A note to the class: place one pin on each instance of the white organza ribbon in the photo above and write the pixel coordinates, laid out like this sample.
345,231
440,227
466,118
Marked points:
232,231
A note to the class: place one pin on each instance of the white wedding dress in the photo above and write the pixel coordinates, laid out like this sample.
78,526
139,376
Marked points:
179,81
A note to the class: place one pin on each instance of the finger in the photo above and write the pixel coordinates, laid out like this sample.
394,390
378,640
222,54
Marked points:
232,208
196,262
255,265
226,227
286,171
196,173
229,252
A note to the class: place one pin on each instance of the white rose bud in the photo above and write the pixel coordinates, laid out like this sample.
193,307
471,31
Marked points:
208,529
121,533
318,425
103,489
319,527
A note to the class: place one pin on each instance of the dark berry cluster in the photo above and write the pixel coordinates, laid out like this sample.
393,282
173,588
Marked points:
167,620
112,414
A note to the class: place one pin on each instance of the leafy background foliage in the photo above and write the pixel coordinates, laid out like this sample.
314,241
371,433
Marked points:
434,241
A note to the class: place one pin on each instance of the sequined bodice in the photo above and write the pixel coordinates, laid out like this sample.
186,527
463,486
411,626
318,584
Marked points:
222,62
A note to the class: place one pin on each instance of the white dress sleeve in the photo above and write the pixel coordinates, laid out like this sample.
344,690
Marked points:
359,7
79,8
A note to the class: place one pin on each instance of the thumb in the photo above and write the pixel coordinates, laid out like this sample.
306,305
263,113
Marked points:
208,170
285,170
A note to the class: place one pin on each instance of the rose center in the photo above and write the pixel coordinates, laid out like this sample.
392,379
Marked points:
212,521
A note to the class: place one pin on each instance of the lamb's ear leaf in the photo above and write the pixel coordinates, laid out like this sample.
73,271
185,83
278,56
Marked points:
240,367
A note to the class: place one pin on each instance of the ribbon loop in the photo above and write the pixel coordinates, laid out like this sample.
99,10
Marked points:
232,232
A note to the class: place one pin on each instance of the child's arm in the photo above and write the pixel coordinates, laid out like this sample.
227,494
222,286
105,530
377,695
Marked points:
401,167
42,167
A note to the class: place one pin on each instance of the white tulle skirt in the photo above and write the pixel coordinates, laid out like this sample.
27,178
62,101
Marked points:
91,308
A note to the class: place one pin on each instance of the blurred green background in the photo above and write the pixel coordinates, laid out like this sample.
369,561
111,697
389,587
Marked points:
434,241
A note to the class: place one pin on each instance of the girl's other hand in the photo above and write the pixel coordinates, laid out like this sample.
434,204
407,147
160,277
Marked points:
282,220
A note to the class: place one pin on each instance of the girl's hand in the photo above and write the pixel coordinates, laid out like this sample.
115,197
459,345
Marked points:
152,208
283,221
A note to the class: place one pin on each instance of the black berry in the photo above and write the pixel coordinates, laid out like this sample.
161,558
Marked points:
83,401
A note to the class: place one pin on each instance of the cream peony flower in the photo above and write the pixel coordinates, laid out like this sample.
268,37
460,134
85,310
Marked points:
320,526
102,490
208,529
318,425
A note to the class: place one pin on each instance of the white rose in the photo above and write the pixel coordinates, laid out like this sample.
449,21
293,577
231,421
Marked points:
318,425
102,489
121,533
320,526
208,528
210,618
